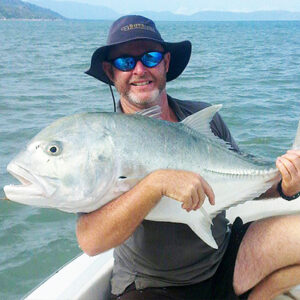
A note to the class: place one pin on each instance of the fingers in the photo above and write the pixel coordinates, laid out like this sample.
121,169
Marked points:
294,157
190,201
201,197
289,167
289,164
194,201
208,191
184,186
285,167
198,195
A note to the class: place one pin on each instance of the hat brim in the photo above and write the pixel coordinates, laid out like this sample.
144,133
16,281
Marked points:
180,56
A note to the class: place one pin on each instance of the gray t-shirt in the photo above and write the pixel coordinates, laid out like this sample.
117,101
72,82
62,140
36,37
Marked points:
160,254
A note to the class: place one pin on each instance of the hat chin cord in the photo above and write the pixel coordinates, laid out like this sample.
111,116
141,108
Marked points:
113,97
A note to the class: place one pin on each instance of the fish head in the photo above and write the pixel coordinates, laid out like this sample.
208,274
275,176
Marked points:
69,166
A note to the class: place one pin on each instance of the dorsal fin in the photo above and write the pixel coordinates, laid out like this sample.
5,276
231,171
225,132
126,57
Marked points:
152,112
296,144
200,120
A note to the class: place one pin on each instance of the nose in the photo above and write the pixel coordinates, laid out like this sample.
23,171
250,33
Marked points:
139,69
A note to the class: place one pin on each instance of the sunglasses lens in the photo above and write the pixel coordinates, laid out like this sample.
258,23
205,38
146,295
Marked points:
152,59
124,63
149,59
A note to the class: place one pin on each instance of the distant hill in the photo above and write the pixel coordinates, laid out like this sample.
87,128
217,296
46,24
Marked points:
223,16
250,16
16,9
75,10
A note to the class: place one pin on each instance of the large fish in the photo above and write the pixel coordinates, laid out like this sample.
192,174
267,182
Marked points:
83,161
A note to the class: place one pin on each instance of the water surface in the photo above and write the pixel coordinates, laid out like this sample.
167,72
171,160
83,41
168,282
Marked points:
252,68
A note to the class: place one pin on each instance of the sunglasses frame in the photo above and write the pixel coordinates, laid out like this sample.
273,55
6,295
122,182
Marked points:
137,58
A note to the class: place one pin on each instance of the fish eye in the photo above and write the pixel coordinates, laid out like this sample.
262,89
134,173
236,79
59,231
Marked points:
54,149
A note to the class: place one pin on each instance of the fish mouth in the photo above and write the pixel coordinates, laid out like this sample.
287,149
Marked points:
32,186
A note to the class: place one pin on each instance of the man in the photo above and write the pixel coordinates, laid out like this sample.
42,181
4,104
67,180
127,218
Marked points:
160,260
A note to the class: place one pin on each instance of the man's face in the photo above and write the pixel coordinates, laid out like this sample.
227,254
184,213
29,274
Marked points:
142,86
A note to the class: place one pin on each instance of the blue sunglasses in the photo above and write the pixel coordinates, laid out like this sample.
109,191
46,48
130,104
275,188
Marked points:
127,63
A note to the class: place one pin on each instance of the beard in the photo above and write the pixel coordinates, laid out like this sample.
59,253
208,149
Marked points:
146,102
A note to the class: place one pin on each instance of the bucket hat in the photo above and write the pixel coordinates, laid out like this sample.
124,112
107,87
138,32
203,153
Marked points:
134,27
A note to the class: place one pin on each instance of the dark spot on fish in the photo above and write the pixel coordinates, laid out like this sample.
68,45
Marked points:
122,177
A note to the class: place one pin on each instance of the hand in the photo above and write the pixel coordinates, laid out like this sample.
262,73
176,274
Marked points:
184,186
289,167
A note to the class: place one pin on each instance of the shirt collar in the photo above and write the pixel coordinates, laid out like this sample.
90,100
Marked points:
176,109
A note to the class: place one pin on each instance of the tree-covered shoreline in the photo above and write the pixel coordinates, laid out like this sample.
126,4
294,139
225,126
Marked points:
19,10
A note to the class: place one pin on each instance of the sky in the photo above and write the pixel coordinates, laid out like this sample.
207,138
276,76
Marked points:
192,6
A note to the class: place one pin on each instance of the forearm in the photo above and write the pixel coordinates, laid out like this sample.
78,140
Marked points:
113,223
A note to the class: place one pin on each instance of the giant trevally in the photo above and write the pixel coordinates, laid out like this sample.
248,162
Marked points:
83,161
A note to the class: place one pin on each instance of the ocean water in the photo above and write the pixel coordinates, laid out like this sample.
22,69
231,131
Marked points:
252,68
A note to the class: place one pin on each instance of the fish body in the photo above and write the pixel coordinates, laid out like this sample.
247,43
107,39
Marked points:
81,162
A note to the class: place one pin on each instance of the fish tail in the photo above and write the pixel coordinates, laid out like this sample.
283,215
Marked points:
296,144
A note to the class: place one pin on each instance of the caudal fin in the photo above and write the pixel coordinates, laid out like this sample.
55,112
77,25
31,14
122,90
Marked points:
296,144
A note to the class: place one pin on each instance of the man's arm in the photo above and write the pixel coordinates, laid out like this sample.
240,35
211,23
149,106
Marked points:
113,223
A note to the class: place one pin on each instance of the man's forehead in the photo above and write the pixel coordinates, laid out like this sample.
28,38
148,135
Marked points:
134,48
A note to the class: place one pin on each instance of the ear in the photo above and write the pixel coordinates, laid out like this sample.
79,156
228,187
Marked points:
167,58
107,68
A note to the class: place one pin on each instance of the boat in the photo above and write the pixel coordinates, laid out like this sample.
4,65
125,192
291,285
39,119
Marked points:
88,278
83,278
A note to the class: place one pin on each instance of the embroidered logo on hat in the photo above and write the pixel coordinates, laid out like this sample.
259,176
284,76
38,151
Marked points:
137,26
